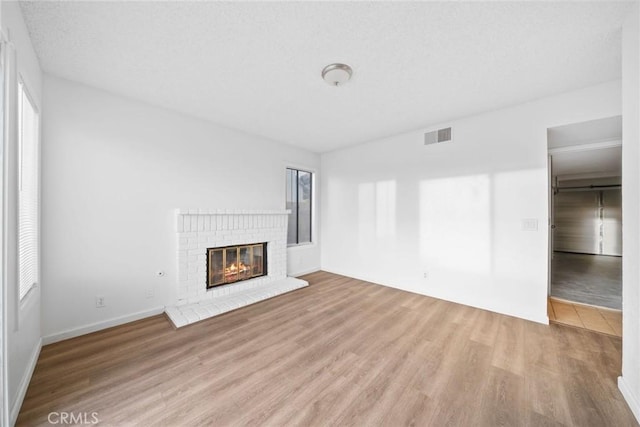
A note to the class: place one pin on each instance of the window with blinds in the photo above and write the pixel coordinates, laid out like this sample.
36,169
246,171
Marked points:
27,192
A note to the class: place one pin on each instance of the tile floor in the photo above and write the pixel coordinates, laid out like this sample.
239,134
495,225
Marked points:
599,319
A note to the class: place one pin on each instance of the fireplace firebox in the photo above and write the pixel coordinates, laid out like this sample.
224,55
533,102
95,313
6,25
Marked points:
231,264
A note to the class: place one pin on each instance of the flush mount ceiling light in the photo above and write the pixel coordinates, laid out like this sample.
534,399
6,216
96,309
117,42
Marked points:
336,74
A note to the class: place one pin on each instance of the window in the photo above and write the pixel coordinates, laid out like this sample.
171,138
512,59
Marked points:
299,187
27,192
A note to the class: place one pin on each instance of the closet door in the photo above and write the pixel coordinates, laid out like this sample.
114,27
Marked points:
577,221
612,222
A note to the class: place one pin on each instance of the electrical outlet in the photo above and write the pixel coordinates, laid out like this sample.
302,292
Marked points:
100,302
149,293
426,275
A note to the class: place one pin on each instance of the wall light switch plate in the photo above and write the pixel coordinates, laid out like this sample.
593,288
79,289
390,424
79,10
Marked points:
530,224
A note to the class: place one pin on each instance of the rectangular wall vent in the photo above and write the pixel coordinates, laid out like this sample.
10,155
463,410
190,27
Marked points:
437,136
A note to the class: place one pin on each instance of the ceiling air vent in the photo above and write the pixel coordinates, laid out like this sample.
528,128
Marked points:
437,136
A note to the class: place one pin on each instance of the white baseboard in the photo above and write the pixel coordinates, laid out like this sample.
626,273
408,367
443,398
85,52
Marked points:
303,272
94,327
543,319
632,400
24,383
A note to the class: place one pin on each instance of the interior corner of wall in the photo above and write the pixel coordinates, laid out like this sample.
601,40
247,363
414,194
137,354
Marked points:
24,383
632,400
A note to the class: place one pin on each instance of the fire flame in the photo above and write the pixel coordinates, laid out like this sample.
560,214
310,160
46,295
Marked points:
232,269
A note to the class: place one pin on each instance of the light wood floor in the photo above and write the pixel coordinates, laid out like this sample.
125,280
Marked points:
599,319
339,352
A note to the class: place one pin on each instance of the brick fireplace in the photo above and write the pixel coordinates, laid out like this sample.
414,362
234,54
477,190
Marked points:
198,231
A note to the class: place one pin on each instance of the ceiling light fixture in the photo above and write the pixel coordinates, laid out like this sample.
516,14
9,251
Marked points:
336,74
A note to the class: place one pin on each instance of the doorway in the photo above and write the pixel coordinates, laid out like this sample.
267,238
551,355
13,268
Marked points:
585,250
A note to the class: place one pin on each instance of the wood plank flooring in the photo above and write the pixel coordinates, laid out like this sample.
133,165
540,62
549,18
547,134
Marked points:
598,319
339,352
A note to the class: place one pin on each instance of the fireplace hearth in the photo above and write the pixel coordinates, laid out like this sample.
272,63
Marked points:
231,264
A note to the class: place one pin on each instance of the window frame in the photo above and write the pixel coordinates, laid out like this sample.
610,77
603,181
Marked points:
24,91
312,174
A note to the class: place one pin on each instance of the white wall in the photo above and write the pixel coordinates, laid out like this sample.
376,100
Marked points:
114,170
394,209
23,319
629,383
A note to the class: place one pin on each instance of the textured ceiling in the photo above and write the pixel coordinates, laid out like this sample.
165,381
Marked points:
604,161
601,162
256,66
606,129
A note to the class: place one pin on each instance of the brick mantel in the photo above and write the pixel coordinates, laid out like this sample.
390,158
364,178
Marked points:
188,220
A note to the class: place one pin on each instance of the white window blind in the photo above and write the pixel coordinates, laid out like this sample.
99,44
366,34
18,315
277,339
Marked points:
28,192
